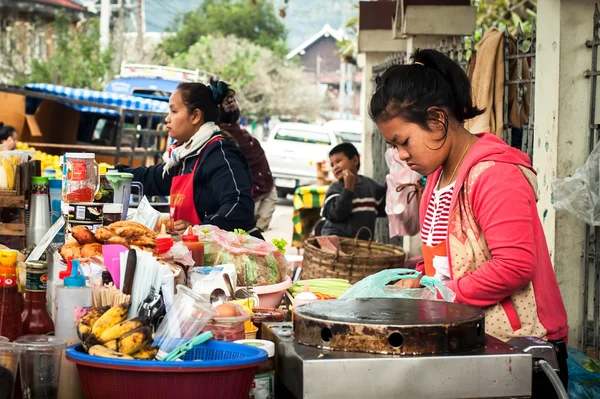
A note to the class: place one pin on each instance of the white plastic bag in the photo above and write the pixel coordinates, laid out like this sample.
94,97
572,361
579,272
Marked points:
402,199
579,194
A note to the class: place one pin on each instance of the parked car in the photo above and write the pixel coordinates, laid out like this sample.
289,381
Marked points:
347,131
294,150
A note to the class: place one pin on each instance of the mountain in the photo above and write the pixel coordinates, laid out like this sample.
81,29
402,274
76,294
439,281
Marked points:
303,18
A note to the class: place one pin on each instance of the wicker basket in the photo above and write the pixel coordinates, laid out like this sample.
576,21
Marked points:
358,260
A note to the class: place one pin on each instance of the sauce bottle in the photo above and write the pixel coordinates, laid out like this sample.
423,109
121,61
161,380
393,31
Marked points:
35,317
73,299
11,325
190,240
164,241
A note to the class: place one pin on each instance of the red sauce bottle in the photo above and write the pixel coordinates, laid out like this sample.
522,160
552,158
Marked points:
190,240
35,317
11,326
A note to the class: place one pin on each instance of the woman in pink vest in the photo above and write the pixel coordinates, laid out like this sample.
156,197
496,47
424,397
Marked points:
480,230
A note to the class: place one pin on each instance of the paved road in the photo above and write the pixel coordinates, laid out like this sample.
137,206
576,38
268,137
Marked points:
282,225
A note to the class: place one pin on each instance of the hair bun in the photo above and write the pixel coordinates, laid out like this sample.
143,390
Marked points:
219,90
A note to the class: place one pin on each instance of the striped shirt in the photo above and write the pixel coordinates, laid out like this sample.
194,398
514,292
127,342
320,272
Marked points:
435,225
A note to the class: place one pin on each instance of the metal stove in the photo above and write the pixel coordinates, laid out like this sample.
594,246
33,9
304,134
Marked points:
396,348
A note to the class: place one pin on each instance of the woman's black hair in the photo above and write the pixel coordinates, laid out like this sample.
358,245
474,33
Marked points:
6,132
420,91
206,98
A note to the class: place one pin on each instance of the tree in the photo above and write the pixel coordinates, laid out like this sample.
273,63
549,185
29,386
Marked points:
75,59
505,13
256,22
265,83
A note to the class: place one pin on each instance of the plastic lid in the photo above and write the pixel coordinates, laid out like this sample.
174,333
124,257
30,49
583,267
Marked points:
126,176
39,180
80,155
76,279
102,169
189,235
268,346
55,183
163,234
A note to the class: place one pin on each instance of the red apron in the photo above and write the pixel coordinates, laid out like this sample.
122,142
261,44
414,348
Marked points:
182,192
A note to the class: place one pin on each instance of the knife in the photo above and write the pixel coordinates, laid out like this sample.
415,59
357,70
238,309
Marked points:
129,272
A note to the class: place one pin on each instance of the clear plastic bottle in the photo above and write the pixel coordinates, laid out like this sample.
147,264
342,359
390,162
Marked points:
73,299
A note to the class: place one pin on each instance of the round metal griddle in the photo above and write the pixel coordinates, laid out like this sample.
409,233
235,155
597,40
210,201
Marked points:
390,326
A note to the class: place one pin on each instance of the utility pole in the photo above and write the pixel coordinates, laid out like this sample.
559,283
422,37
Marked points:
120,41
342,91
105,13
139,42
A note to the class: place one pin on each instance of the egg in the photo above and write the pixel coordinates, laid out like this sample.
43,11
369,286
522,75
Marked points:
226,310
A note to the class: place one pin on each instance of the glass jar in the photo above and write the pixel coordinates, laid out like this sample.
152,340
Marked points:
81,180
263,386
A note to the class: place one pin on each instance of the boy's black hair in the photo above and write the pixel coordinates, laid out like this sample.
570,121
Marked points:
6,132
432,85
348,149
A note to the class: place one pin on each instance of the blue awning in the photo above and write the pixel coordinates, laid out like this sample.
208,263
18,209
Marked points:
101,98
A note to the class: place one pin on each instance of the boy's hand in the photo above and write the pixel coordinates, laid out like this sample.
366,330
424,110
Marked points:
349,179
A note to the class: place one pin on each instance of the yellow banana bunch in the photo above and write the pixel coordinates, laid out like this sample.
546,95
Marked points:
111,317
105,332
99,350
123,328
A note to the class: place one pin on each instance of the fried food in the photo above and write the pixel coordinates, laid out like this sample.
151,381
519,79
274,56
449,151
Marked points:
136,225
83,235
143,241
91,250
130,232
70,251
103,234
118,240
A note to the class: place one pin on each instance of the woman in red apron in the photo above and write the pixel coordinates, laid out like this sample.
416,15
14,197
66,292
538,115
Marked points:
207,176
480,230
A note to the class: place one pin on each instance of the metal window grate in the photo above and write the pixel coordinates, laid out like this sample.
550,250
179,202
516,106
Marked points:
524,52
591,261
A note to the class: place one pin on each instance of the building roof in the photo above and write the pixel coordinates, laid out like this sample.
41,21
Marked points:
325,32
63,3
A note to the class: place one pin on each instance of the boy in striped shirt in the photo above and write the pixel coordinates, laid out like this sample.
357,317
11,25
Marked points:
353,201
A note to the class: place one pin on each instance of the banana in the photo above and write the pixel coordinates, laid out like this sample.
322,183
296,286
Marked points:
134,340
85,324
111,317
10,173
112,345
146,353
99,350
122,328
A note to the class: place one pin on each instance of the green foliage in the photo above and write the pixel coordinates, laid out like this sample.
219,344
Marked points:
256,22
505,13
76,59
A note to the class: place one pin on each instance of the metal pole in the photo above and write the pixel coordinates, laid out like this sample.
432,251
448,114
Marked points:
105,12
139,42
119,55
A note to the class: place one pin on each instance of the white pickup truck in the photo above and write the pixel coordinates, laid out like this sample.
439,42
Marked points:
293,151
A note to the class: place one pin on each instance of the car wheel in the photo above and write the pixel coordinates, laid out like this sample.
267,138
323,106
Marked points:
281,193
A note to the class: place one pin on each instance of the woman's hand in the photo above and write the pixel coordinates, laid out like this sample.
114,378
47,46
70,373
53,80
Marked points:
181,226
410,282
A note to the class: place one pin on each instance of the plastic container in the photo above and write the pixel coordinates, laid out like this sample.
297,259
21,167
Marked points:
190,240
73,299
228,329
81,177
263,386
9,363
55,189
226,370
106,193
11,301
122,184
164,241
39,219
186,317
270,296
112,213
40,365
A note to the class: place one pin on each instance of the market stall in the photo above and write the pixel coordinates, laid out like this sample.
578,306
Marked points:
308,201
